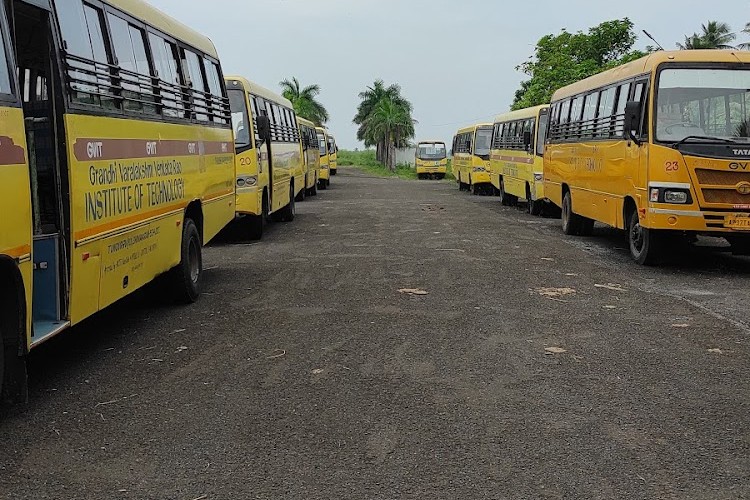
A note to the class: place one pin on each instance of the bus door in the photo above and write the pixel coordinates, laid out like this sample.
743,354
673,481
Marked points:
265,152
42,109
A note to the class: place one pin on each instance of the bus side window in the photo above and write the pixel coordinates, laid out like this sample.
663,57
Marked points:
83,31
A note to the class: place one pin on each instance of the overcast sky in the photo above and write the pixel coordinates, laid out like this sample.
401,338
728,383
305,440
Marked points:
455,60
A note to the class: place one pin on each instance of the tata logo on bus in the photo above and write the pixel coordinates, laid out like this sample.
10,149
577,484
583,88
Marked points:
95,149
743,188
739,166
741,152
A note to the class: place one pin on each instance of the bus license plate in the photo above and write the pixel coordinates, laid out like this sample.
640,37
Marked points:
739,222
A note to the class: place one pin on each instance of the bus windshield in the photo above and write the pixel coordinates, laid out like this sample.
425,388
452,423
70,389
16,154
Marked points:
322,145
431,151
240,120
483,142
703,104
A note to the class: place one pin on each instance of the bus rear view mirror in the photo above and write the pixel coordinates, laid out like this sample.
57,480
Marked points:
632,118
264,128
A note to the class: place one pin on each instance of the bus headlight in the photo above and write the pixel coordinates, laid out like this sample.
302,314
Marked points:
538,177
678,197
674,196
480,169
247,181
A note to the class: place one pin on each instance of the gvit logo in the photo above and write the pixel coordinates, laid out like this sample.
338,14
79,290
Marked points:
741,152
743,188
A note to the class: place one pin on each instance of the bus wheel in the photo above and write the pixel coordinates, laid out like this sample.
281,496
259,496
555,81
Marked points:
185,279
314,189
257,223
505,198
301,195
646,245
533,207
322,184
288,212
13,378
572,223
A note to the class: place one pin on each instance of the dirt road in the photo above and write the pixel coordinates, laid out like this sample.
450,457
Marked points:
535,366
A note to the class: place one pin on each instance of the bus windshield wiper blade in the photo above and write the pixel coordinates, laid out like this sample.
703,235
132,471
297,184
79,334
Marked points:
706,138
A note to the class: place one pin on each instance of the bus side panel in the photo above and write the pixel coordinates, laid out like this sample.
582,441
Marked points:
15,237
130,183
285,159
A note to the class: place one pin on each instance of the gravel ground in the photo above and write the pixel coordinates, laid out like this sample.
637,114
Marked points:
533,366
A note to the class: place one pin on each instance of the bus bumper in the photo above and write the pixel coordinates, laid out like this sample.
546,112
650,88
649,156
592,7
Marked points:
431,170
480,178
249,201
706,222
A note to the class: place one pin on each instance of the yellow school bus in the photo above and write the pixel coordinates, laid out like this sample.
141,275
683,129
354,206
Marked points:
310,155
431,159
659,147
471,158
325,158
517,158
270,169
116,163
333,154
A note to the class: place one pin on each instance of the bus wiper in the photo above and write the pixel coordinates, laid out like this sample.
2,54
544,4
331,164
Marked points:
707,138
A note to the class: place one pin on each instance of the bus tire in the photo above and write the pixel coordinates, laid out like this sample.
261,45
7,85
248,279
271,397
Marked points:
505,198
185,279
333,171
572,223
440,177
533,207
14,387
256,224
322,184
301,195
288,213
314,188
646,245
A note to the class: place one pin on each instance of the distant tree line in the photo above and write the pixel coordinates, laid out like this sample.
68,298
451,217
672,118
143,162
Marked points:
566,58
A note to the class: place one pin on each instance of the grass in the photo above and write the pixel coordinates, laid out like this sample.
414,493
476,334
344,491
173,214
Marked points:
367,162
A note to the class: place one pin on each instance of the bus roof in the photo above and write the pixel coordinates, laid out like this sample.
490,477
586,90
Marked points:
520,114
431,142
322,130
304,121
261,91
473,128
161,21
648,64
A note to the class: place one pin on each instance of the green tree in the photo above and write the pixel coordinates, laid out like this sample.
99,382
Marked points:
565,58
384,119
714,35
305,100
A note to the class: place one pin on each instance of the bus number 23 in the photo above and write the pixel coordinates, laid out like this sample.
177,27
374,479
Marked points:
672,166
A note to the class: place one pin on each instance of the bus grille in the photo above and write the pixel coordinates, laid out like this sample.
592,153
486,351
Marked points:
721,177
725,196
719,187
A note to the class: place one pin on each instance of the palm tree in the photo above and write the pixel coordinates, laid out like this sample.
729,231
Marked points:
715,35
391,123
745,45
304,100
370,99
